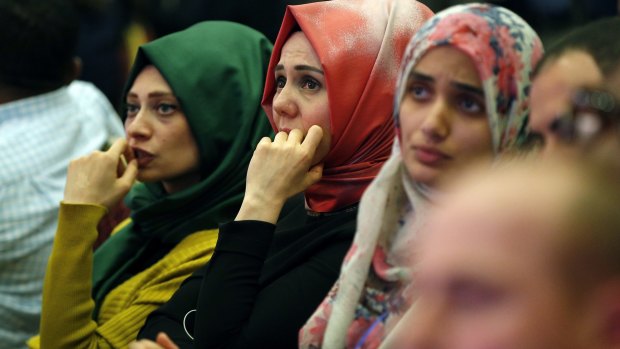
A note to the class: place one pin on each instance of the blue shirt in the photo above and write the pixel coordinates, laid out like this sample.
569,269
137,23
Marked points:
38,137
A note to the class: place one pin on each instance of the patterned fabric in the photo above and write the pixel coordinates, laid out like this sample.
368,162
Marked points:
367,299
38,137
360,44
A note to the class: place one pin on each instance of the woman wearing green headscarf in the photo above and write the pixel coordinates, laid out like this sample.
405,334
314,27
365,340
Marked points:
192,119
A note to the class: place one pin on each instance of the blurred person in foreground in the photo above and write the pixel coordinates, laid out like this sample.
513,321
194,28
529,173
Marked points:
523,257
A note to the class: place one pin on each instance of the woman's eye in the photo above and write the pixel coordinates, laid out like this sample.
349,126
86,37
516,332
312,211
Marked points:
280,82
534,141
475,296
166,108
419,92
470,105
131,109
310,84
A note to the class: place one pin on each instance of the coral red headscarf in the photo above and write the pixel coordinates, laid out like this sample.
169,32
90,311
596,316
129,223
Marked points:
360,44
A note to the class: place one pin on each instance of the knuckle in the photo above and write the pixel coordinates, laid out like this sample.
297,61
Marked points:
305,155
262,146
124,186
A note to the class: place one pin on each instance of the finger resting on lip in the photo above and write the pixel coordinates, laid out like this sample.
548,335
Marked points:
265,140
280,137
296,136
129,154
118,147
123,162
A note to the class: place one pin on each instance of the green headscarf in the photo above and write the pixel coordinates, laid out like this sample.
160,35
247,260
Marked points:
216,71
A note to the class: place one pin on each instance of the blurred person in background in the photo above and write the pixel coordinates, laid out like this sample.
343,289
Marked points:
162,17
103,45
46,119
582,61
111,30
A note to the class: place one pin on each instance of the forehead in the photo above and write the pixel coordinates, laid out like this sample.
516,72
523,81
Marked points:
150,78
557,81
297,46
612,82
571,69
448,62
495,228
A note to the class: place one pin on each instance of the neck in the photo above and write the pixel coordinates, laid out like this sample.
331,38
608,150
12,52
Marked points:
12,93
178,184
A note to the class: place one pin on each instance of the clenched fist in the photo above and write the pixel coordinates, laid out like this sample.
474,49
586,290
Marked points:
279,170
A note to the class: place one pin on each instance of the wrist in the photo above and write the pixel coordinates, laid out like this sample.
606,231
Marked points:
258,209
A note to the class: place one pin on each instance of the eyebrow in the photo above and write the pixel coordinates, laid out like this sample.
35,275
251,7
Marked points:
420,77
301,67
458,85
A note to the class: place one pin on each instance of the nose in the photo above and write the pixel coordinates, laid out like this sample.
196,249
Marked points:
436,125
139,126
285,103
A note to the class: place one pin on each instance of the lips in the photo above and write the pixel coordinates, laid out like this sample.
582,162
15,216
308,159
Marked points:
429,156
285,129
143,157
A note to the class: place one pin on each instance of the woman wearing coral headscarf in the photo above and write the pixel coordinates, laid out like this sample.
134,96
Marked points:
334,66
461,97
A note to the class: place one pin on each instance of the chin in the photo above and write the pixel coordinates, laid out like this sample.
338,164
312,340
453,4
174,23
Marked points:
318,158
147,177
422,174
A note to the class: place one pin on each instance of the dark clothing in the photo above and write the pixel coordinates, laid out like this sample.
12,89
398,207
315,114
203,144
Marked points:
170,16
262,283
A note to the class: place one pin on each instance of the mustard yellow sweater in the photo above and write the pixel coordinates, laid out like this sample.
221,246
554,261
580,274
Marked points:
66,316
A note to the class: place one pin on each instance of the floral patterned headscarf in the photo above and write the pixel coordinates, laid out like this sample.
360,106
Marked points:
504,50
365,301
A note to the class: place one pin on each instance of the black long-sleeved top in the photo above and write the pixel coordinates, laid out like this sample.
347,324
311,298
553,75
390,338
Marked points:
261,284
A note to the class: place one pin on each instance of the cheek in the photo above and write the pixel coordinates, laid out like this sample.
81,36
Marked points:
486,336
410,118
317,114
473,138
502,327
178,135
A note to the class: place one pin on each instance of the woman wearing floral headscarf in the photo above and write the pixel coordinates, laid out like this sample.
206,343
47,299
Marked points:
334,65
461,97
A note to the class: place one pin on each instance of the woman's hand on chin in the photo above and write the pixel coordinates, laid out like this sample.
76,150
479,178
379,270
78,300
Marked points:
101,177
279,170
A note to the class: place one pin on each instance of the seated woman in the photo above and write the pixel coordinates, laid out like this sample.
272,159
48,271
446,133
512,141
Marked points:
334,65
462,96
192,119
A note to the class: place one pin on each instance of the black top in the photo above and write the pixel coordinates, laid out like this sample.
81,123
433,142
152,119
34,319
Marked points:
262,283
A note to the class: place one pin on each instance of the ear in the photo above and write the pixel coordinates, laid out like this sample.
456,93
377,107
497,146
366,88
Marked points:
74,70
